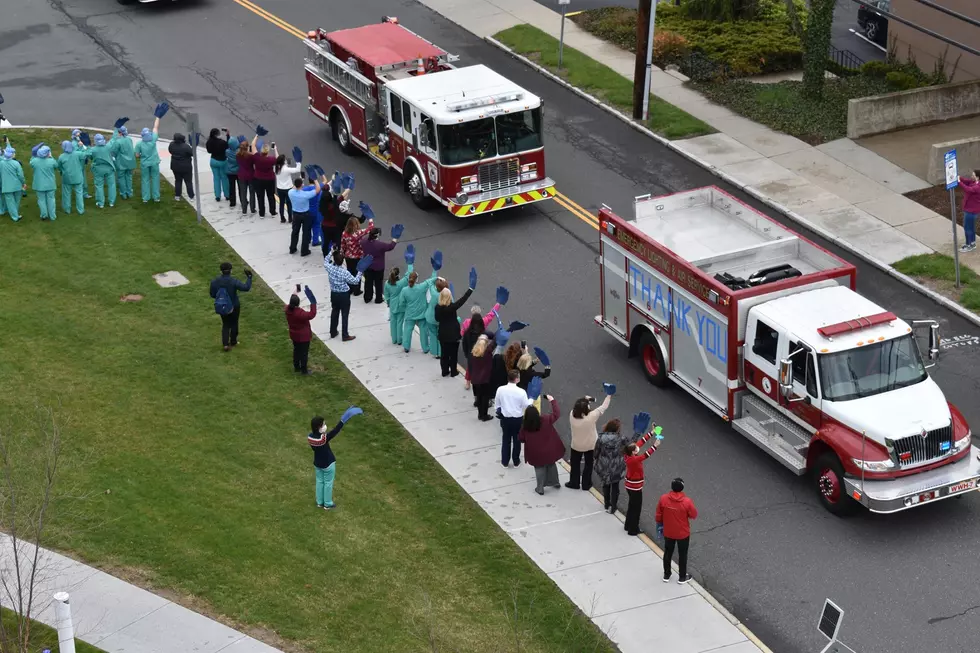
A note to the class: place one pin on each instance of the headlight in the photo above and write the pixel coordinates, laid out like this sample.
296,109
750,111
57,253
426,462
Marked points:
874,465
963,443
461,198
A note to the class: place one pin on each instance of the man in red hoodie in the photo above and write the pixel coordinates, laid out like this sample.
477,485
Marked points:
674,512
971,207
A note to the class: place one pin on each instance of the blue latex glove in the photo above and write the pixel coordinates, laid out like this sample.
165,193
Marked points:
366,212
609,388
347,180
516,325
452,291
397,231
534,388
502,295
350,412
641,422
161,110
365,263
297,155
241,139
311,172
258,145
472,278
410,254
120,122
35,149
85,139
260,130
309,294
436,261
543,357
660,531
336,188
319,171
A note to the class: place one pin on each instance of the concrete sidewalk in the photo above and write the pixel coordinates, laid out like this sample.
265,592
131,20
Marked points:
613,578
119,617
840,188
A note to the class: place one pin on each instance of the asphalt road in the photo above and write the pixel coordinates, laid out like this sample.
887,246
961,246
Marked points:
763,545
845,20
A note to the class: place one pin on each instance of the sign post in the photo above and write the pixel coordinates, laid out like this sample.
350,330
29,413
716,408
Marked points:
561,39
194,137
952,181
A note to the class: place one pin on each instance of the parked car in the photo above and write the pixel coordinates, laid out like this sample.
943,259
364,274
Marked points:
873,24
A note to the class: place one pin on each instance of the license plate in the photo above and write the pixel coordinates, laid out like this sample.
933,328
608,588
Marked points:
926,496
965,485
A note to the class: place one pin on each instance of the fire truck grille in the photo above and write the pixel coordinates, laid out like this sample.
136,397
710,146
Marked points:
499,174
915,450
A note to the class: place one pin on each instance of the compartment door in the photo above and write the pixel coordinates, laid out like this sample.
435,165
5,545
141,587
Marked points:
700,343
613,287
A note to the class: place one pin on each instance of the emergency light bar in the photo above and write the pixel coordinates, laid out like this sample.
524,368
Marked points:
857,324
484,101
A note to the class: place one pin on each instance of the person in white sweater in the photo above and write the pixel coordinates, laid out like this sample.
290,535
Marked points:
583,419
284,183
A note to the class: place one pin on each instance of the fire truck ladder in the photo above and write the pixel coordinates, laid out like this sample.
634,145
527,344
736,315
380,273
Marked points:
322,63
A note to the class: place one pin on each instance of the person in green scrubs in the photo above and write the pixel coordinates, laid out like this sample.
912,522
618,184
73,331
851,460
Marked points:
146,152
76,140
71,164
44,181
121,146
12,182
103,171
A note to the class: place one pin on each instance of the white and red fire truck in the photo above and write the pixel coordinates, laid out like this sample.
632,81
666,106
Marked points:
765,328
467,138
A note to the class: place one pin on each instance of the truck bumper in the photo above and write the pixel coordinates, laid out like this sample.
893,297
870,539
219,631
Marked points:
504,198
911,491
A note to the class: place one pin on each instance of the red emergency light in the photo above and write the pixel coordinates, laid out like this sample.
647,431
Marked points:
856,324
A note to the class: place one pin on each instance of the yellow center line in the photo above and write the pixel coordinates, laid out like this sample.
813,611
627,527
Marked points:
561,199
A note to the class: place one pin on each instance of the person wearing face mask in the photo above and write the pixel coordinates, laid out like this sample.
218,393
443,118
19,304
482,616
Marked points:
12,182
217,147
103,172
146,152
413,297
71,164
76,140
181,164
44,183
324,461
264,162
121,146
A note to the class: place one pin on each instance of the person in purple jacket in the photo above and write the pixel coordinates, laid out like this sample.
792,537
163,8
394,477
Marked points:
374,277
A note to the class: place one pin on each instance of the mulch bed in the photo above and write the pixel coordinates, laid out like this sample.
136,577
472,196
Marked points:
937,199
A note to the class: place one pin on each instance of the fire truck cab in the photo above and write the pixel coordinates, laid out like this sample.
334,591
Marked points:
467,138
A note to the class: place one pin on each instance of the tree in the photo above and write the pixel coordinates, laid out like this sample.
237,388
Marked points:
816,45
794,18
28,469
640,65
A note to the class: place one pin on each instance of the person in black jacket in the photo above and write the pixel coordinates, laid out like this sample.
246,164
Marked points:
229,323
217,147
448,322
181,164
324,462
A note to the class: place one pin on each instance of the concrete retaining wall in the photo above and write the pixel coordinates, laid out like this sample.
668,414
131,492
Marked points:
920,106
967,158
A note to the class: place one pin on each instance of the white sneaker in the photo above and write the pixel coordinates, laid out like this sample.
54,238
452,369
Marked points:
968,248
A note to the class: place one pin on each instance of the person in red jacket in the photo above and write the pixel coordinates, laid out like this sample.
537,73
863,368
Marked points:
971,207
675,510
299,329
634,477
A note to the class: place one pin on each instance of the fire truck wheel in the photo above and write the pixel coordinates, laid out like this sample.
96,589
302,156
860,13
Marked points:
652,360
343,137
829,476
416,188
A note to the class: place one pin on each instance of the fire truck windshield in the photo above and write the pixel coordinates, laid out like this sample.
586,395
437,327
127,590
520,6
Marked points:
871,369
484,138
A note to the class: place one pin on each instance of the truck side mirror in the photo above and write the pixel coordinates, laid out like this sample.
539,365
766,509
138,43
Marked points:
423,136
786,378
934,342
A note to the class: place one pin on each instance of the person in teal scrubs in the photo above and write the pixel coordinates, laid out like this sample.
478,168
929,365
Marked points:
71,164
413,298
12,183
103,171
76,140
146,152
124,153
44,181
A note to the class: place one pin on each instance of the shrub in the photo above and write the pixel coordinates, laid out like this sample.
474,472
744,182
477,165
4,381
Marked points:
721,10
669,48
901,81
877,69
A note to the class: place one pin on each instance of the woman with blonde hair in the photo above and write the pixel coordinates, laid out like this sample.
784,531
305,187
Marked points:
481,364
525,365
448,325
350,246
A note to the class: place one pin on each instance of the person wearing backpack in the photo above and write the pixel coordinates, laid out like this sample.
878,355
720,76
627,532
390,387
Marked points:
224,291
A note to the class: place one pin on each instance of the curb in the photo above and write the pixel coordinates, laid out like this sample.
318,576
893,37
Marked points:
643,537
792,215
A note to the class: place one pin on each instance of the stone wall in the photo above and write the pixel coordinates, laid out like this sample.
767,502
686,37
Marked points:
921,106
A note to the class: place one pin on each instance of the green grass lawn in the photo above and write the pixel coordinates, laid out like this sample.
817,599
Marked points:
939,272
42,637
599,80
189,471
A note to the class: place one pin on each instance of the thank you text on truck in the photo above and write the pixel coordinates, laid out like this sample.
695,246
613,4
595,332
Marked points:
765,328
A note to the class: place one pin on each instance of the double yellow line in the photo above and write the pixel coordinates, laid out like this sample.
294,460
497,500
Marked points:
562,200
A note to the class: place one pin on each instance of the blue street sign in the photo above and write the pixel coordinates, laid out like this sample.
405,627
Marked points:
952,177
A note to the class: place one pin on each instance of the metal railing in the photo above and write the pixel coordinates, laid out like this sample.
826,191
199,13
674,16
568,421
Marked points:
845,59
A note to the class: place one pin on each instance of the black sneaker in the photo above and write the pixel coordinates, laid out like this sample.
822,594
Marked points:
666,578
685,579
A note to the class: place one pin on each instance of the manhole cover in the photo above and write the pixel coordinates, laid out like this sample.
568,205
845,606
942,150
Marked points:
130,298
170,279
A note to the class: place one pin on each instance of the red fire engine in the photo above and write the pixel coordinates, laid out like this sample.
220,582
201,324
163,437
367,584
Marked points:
467,138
